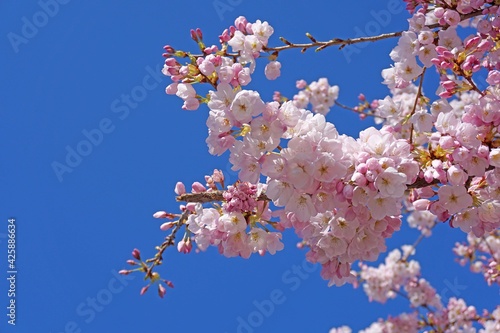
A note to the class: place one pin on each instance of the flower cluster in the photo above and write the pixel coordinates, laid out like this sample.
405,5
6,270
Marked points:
319,94
457,139
215,66
387,280
435,157
237,227
483,255
342,196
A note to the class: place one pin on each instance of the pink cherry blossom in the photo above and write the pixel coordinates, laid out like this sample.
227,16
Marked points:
454,198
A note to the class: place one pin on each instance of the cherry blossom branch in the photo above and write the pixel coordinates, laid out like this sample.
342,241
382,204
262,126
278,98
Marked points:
320,45
210,196
419,93
169,241
357,110
217,195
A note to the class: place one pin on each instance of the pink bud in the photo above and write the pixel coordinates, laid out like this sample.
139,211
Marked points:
171,89
180,188
484,45
359,179
136,254
240,23
169,49
124,272
194,36
473,42
444,52
421,204
197,187
160,214
362,168
225,36
445,94
211,49
448,85
199,33
184,246
248,28
169,283
161,290
191,104
131,262
144,289
167,225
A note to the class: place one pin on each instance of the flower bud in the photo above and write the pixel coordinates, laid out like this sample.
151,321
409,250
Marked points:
136,254
161,290
197,187
144,289
421,204
166,226
160,214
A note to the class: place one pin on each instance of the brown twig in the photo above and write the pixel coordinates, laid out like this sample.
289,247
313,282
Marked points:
211,196
419,93
169,241
343,106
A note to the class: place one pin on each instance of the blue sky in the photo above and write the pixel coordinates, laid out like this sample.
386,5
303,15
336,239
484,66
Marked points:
73,70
